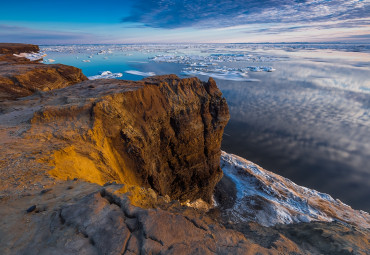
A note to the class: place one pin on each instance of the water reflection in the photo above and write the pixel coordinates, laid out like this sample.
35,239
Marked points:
309,122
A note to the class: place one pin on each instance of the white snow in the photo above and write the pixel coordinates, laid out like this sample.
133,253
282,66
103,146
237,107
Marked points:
270,199
32,56
106,75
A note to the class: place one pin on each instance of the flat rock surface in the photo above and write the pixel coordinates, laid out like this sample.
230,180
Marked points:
75,217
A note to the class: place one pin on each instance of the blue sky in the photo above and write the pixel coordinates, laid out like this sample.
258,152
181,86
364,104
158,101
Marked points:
170,21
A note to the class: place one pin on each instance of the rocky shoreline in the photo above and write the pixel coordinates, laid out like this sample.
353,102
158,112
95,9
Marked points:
124,167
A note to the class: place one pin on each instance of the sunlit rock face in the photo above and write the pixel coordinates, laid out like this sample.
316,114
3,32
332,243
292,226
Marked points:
162,132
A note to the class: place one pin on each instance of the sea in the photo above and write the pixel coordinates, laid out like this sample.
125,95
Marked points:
301,110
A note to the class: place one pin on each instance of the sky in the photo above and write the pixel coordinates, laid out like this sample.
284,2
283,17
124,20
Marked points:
187,21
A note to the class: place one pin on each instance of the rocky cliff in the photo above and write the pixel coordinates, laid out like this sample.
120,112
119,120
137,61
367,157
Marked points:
164,133
16,48
123,167
20,77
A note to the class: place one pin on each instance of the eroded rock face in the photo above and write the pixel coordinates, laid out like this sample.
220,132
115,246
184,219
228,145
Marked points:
163,132
27,78
20,77
16,48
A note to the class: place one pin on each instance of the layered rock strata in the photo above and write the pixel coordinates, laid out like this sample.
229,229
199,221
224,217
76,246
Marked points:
20,77
16,48
163,132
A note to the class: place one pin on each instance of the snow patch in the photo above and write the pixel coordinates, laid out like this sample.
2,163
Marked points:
31,56
270,199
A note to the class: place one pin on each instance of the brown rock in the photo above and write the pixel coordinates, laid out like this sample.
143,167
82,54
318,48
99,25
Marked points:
16,48
164,133
103,223
328,237
89,219
20,77
24,79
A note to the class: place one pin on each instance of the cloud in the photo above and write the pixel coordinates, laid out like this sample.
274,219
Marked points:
9,33
228,13
323,25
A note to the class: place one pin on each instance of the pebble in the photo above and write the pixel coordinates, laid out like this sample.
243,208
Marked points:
31,209
44,191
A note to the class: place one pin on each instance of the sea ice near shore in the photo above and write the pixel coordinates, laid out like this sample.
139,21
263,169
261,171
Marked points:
106,75
32,56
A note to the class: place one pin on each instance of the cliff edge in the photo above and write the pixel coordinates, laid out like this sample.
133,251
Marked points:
20,77
16,48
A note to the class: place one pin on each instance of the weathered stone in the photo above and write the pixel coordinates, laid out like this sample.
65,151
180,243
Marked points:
24,79
164,133
103,223
16,48
31,209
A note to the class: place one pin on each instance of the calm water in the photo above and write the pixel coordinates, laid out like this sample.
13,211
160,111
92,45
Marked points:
309,120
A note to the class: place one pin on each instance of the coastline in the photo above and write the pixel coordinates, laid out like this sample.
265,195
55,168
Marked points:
74,132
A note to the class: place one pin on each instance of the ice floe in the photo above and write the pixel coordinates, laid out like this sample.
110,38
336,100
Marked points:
145,74
219,74
106,75
261,68
206,65
32,56
270,199
211,59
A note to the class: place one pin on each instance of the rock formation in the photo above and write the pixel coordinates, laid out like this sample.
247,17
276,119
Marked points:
269,199
20,77
123,167
164,133
16,48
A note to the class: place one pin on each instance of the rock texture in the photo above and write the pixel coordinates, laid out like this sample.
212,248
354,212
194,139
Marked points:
16,48
164,133
269,199
75,217
20,77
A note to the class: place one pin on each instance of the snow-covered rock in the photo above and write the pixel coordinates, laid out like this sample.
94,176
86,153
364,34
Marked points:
270,199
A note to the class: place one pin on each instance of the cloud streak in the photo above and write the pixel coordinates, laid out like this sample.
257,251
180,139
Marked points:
227,13
9,33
